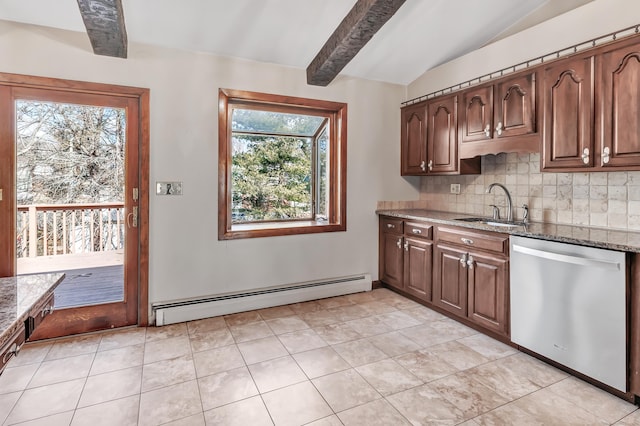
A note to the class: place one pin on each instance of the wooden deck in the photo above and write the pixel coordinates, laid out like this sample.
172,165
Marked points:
91,278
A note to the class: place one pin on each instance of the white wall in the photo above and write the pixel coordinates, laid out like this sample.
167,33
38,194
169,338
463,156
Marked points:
592,20
186,259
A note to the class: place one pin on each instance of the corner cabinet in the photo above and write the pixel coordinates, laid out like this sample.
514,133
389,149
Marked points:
500,117
429,139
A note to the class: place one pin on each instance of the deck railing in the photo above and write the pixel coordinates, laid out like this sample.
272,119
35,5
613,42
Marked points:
56,229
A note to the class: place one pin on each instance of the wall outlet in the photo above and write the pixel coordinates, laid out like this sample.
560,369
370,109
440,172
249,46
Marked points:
455,188
168,188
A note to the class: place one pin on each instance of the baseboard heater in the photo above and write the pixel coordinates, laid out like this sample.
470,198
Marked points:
188,310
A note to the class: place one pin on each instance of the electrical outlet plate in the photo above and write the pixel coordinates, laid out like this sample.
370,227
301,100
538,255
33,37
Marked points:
168,188
455,188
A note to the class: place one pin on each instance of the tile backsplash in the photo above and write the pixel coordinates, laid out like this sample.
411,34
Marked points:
600,199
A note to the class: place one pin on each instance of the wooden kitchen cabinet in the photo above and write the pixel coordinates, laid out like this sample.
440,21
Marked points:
414,139
391,256
450,279
499,117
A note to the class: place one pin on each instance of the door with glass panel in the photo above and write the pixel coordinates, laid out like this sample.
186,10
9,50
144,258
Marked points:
75,168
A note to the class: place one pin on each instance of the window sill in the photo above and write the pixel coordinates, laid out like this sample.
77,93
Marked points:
274,229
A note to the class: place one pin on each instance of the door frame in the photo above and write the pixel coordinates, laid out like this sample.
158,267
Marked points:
10,81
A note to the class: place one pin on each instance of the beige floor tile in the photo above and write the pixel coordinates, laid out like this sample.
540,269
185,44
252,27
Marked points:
423,406
503,380
388,377
348,312
460,356
508,414
62,419
363,297
301,340
488,347
202,340
122,412
251,331
296,405
62,370
276,373
337,333
319,318
7,401
117,359
359,352
31,353
377,308
276,312
15,379
331,420
250,411
369,326
169,404
121,338
226,387
632,419
171,347
262,350
538,372
46,401
217,360
287,324
454,328
425,366
398,320
551,410
168,372
195,420
320,362
374,413
166,332
72,346
468,395
111,386
304,307
334,302
393,343
242,318
206,324
345,389
426,335
424,314
596,401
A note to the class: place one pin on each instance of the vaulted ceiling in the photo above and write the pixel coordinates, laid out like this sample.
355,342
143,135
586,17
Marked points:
419,36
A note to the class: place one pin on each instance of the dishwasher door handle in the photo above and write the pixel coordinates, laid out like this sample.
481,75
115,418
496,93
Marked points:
558,257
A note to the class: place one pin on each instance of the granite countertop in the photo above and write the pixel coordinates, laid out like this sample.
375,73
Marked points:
612,239
18,295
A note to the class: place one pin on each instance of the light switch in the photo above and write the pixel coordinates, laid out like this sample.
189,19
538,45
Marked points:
168,188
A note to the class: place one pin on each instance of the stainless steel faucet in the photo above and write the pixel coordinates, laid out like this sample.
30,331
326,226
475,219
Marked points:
506,192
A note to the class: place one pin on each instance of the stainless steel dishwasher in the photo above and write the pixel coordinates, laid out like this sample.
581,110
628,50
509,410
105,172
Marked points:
568,304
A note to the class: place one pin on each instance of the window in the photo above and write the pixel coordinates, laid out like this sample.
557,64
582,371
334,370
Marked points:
282,165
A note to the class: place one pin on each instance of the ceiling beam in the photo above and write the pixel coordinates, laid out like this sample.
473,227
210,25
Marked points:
356,29
104,20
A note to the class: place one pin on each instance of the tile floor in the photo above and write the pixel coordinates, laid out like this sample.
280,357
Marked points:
371,358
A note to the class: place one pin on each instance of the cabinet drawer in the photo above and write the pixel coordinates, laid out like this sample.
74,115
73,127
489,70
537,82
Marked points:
38,313
496,243
417,229
12,347
391,225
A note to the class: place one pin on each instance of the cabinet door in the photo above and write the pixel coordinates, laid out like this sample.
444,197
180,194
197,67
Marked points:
488,277
476,114
442,141
450,280
418,263
391,259
515,106
413,140
620,107
568,114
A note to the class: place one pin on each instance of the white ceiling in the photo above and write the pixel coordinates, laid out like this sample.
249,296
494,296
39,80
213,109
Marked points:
420,36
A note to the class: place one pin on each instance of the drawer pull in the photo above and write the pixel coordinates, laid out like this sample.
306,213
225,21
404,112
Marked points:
467,241
390,226
416,231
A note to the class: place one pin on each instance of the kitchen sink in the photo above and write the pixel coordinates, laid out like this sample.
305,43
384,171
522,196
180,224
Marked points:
491,222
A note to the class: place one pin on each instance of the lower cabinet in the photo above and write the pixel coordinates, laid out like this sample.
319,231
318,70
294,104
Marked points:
418,259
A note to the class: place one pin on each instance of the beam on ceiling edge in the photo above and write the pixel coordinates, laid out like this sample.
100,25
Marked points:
356,29
104,20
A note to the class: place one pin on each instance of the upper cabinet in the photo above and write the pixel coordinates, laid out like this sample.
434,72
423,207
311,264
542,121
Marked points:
500,117
592,110
429,139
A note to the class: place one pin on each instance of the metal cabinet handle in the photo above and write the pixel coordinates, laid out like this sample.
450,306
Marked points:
470,261
406,246
487,131
390,225
15,349
46,311
463,260
416,231
499,128
606,152
399,243
585,156
423,166
430,165
467,241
